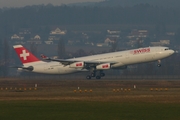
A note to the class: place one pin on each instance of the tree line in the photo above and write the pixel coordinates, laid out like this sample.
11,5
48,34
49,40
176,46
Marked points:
11,19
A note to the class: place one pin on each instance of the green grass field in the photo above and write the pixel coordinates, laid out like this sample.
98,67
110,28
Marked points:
56,100
76,110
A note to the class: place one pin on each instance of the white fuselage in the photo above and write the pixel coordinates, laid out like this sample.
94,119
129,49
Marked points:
121,58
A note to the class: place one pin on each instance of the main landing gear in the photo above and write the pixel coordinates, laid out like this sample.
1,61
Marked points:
93,74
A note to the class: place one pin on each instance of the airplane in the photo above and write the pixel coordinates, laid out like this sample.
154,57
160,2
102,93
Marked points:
94,63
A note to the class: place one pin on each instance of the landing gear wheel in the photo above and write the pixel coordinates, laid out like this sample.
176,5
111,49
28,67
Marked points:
159,65
102,74
88,77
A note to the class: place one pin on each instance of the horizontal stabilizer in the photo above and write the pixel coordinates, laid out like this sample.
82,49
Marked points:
29,68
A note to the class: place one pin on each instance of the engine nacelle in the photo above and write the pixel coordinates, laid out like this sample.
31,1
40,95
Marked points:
103,66
77,65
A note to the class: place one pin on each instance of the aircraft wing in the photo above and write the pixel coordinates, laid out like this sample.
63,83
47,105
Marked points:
70,61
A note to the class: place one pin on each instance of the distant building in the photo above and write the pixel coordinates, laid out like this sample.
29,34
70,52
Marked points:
161,43
132,43
57,31
170,33
55,35
165,42
48,42
35,40
24,31
16,39
138,34
37,37
102,44
113,34
109,41
155,43
137,37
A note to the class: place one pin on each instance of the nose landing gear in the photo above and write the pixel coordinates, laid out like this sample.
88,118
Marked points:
159,63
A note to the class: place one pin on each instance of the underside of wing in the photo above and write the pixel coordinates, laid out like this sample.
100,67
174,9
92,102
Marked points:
79,63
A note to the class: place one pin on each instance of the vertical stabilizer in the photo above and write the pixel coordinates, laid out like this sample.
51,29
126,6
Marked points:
25,56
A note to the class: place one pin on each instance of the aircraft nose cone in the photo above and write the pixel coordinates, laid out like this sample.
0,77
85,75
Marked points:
171,52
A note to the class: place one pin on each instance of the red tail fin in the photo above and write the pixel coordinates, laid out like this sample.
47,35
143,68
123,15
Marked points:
24,55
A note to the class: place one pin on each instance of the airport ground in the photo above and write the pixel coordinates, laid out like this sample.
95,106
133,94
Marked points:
89,99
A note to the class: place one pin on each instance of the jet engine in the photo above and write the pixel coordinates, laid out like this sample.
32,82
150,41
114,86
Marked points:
77,65
103,66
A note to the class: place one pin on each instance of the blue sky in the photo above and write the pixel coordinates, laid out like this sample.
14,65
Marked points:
21,3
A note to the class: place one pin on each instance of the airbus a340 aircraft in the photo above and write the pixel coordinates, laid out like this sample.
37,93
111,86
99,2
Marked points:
94,63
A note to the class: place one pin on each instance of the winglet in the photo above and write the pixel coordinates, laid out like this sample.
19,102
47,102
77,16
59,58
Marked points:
43,56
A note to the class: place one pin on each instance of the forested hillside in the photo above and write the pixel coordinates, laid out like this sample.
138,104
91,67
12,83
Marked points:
123,3
37,16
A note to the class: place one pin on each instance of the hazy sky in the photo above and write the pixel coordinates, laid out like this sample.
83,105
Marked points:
21,3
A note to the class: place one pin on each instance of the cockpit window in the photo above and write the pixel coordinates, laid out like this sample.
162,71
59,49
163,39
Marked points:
166,49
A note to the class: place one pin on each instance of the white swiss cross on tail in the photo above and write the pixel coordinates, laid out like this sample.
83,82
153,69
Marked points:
24,55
